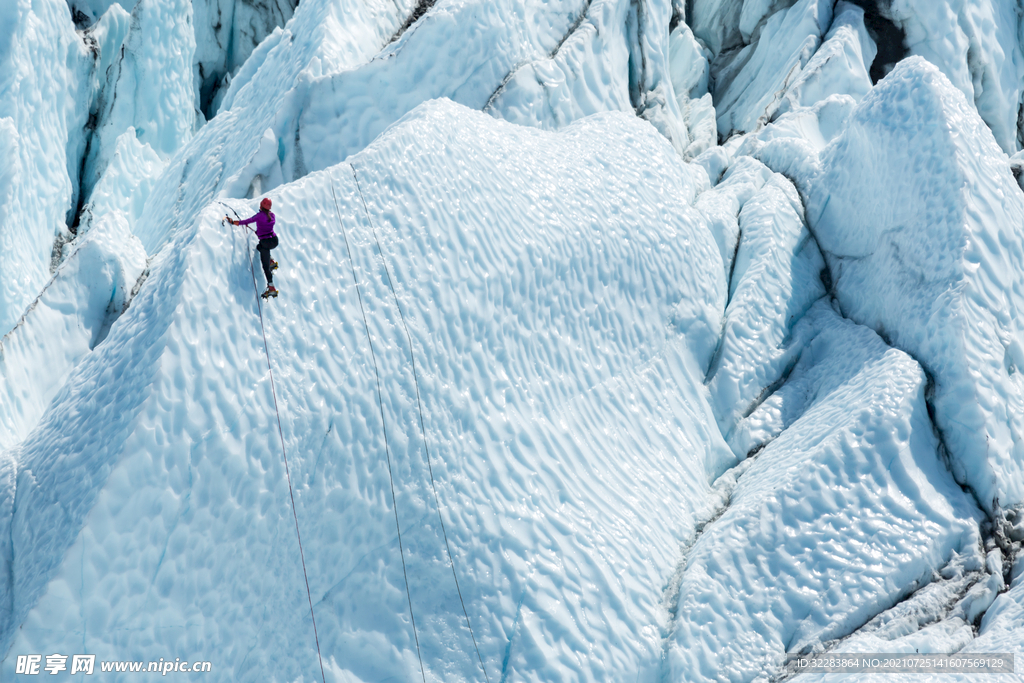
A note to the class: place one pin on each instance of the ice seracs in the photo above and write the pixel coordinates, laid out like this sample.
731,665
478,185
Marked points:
679,418
934,261
689,70
774,279
841,516
979,52
749,86
228,153
44,107
839,67
148,87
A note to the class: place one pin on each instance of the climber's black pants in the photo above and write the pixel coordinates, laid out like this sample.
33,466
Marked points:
264,248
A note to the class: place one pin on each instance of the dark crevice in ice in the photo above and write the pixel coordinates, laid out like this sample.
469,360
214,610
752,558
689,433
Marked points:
421,8
772,108
890,39
637,63
994,530
717,355
732,265
299,169
137,287
723,487
1020,134
677,18
81,20
577,22
79,201
78,191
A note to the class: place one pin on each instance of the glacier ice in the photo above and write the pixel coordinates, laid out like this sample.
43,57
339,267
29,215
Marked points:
689,71
835,520
540,400
839,67
934,261
341,112
977,46
226,33
585,263
722,204
749,89
774,279
149,87
44,74
126,183
265,94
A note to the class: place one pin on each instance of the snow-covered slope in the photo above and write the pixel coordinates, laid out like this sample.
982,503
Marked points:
547,471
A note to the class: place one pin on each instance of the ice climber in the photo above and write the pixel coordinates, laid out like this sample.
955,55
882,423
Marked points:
264,220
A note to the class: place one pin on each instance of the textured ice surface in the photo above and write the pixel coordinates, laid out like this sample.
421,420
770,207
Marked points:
935,260
749,90
839,67
792,144
127,181
341,112
44,71
322,37
588,71
838,518
689,70
149,86
775,278
560,295
688,63
563,296
71,315
977,45
225,34
724,25
618,57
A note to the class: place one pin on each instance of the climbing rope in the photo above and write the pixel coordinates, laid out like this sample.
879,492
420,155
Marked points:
419,406
387,448
280,431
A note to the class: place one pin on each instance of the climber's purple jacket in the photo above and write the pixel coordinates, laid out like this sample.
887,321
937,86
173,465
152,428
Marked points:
264,224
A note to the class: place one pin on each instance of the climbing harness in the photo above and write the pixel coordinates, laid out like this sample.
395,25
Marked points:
419,407
287,471
387,447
